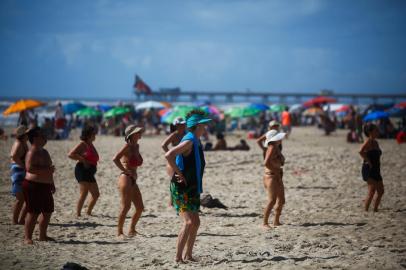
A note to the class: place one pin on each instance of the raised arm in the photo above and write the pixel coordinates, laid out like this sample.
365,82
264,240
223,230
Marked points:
181,148
260,142
167,141
364,149
118,156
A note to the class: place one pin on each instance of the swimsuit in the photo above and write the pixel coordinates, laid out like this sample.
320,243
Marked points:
38,197
86,173
133,162
373,172
17,178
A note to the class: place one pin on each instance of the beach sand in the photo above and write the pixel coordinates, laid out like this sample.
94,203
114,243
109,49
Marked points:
325,226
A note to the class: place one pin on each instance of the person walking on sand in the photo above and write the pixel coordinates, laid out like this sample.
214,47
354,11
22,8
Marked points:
86,155
274,160
273,125
188,163
17,171
38,186
174,138
286,122
371,167
128,159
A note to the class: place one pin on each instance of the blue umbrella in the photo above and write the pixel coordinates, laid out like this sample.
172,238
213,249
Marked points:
73,107
104,107
259,106
375,116
397,112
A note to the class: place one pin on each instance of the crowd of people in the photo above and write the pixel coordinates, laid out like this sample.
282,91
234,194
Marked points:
32,172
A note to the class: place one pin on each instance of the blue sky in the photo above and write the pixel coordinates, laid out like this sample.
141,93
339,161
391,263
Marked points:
82,48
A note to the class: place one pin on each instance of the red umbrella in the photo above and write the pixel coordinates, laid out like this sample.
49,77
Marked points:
343,108
401,105
319,100
163,111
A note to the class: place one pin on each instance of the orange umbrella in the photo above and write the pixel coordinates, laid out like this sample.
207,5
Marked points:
166,104
313,111
22,105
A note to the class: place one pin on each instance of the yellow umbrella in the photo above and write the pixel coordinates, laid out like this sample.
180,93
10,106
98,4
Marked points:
22,105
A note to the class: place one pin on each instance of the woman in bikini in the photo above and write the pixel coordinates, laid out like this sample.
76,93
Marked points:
273,125
17,167
371,168
128,159
174,138
86,155
274,160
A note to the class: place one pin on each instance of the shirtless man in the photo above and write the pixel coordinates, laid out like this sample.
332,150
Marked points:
38,186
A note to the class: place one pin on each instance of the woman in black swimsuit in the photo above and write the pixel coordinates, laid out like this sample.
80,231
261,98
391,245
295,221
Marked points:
371,168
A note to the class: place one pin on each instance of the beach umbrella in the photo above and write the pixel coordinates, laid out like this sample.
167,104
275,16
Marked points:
22,105
295,108
313,111
116,111
401,105
210,109
375,116
397,112
104,107
149,105
72,107
277,108
238,112
166,104
202,103
177,111
163,111
259,106
343,108
88,112
319,100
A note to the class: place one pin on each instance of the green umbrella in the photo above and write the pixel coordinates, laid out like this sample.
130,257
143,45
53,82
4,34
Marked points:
277,108
177,111
238,112
88,112
116,111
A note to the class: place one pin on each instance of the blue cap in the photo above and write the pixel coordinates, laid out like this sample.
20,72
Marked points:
195,119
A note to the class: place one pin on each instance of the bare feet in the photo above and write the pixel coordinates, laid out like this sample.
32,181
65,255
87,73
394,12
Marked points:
28,242
189,259
277,224
179,260
46,238
266,226
121,236
132,233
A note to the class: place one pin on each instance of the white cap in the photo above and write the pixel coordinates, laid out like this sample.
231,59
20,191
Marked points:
273,136
178,121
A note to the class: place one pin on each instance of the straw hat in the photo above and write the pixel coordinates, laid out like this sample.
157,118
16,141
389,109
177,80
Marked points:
178,121
131,129
273,136
273,123
20,130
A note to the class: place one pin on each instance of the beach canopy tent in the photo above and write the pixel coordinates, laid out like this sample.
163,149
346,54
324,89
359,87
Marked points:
22,105
88,112
116,111
72,107
319,100
278,108
259,106
147,105
238,112
375,116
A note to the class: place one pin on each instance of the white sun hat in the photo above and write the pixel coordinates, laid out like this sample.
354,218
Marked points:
178,121
273,136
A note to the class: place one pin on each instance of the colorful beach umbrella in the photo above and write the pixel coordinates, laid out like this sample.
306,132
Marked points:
72,107
88,112
277,108
401,105
104,107
319,100
375,116
22,105
177,111
313,111
211,109
238,112
147,105
259,106
116,111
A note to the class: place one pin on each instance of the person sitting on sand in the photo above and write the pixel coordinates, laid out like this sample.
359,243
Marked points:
17,156
128,159
38,186
371,167
221,143
273,125
86,155
273,183
243,146
187,161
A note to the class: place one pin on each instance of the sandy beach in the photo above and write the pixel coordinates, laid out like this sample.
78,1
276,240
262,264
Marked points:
325,226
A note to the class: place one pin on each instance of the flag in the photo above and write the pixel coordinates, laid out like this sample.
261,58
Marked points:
141,87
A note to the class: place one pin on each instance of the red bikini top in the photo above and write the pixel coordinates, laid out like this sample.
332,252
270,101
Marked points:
91,155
